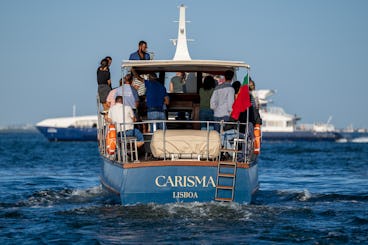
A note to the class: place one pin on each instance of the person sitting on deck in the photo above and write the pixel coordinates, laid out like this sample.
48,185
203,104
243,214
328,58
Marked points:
156,98
119,114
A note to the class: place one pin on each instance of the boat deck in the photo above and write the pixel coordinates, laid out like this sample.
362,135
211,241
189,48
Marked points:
187,146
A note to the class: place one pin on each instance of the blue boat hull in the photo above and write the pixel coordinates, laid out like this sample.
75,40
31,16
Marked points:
170,181
68,134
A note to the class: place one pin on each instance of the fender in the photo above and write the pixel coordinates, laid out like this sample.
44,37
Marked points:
111,140
257,139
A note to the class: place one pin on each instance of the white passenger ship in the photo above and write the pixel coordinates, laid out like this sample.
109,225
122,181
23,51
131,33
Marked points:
279,125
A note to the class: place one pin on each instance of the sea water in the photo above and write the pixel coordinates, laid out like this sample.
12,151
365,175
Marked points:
310,193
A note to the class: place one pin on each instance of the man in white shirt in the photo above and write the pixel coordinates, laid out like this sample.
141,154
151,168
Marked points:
222,99
121,114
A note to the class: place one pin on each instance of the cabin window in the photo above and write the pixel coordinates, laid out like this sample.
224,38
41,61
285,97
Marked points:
274,124
187,85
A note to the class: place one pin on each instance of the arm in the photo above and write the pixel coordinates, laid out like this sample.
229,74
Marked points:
213,101
166,100
110,97
136,97
107,117
171,87
131,114
135,74
109,120
230,101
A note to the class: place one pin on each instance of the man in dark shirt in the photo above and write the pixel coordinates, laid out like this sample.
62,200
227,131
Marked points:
156,97
141,53
104,82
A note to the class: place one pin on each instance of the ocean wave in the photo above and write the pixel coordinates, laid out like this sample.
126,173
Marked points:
282,196
333,197
153,211
342,140
51,197
353,140
359,221
360,140
294,195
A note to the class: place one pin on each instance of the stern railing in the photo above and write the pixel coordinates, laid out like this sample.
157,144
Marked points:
234,136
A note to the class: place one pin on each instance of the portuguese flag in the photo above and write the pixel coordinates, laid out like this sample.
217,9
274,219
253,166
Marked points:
242,102
246,80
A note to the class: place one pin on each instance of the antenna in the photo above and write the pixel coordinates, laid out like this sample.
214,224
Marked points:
74,110
329,119
182,52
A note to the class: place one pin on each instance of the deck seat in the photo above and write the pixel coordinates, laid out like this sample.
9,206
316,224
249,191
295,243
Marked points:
186,144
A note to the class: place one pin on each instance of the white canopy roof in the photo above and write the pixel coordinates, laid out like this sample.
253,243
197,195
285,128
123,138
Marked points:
208,66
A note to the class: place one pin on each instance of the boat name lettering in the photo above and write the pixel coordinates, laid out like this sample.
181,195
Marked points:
185,194
184,181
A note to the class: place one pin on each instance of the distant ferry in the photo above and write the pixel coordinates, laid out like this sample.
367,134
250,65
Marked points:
278,125
78,128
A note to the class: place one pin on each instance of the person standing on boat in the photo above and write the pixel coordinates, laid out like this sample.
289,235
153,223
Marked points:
130,93
109,61
222,99
119,115
205,93
177,83
253,95
156,98
254,116
104,82
112,94
236,85
141,53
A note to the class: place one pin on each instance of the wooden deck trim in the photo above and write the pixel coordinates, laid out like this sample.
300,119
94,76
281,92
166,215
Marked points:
177,163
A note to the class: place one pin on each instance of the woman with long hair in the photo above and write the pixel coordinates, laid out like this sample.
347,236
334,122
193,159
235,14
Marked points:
205,93
104,82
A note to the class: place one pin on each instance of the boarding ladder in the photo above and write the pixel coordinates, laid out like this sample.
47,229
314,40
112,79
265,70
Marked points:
226,173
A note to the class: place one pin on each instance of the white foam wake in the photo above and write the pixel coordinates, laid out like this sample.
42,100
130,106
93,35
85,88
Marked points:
360,140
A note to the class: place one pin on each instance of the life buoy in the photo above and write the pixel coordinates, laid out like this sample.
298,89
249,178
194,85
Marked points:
257,139
111,140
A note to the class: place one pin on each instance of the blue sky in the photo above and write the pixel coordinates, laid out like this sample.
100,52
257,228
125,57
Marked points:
314,53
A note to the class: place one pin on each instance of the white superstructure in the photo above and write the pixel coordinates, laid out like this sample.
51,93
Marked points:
70,122
275,119
181,52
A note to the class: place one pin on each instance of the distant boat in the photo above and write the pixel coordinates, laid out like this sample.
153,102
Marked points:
78,128
279,125
357,135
